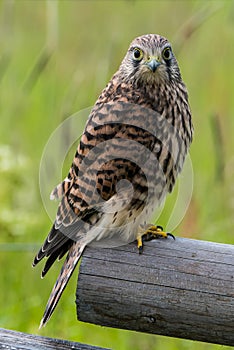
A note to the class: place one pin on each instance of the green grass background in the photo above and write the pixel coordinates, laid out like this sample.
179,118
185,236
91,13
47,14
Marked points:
56,57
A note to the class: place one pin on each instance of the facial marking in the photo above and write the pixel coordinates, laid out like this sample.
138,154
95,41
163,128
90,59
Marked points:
150,59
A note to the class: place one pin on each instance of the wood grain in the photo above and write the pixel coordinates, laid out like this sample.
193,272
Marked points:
182,288
12,340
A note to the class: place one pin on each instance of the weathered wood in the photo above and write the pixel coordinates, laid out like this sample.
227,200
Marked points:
12,340
182,288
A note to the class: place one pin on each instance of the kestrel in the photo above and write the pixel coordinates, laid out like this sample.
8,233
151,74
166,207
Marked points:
132,149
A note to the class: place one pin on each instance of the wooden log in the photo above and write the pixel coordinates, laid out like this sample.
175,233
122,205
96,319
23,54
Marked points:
13,340
182,288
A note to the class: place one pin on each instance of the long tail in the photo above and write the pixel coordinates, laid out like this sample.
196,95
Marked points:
69,265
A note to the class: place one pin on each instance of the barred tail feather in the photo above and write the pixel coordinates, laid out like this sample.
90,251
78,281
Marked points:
69,265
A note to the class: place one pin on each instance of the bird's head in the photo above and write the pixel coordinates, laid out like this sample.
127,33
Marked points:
150,59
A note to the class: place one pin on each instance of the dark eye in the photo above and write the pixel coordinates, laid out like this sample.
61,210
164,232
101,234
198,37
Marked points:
166,54
137,54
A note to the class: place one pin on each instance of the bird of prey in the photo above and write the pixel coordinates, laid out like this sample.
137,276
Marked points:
132,149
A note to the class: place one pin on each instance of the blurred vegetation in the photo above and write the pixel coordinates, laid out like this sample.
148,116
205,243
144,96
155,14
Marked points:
56,56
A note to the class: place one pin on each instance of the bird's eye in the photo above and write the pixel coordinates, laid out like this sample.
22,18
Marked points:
167,53
137,54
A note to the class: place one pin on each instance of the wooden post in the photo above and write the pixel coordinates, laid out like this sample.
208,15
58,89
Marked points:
12,340
182,288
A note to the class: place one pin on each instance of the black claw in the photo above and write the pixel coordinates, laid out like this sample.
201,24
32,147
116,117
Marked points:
160,227
140,249
171,235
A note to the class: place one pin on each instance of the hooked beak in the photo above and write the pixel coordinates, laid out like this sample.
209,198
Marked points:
153,64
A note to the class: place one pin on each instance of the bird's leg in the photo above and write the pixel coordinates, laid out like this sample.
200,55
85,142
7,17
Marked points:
149,232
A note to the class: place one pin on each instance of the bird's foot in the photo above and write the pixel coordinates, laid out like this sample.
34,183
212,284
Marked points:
149,232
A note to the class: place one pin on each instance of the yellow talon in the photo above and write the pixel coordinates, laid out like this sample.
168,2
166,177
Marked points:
149,232
156,232
140,244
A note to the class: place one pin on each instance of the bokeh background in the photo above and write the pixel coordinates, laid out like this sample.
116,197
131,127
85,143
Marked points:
56,57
